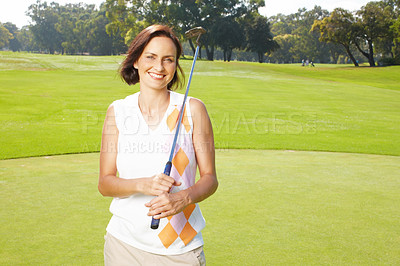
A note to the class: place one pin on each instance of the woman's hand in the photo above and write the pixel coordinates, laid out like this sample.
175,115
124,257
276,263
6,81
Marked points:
158,184
167,204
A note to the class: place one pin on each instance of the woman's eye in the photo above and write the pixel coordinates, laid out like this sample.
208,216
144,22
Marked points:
150,57
169,60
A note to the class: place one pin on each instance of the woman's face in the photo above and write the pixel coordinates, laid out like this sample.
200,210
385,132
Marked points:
157,64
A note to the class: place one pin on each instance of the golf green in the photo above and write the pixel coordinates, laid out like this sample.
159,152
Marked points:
272,207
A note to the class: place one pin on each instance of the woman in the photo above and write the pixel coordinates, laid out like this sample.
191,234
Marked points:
136,141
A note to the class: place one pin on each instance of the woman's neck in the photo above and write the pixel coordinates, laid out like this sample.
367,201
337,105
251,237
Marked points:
153,106
151,102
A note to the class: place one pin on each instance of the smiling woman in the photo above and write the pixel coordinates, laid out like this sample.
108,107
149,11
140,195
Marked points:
140,190
157,65
139,48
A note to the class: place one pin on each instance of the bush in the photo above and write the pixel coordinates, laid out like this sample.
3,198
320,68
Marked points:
389,61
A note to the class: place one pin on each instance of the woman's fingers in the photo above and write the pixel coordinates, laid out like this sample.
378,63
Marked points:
163,183
165,205
159,204
158,201
166,180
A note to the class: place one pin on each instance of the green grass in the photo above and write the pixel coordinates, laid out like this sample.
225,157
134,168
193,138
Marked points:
272,207
51,211
45,98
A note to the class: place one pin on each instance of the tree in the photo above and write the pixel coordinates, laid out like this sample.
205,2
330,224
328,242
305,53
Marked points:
5,36
309,46
337,28
281,25
45,18
71,23
388,45
230,36
372,23
304,44
26,40
123,17
395,28
99,41
259,37
211,13
287,48
14,44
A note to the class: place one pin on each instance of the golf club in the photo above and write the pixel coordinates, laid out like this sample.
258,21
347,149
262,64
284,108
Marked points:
195,32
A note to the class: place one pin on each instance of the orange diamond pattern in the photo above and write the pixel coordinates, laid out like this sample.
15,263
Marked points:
187,234
168,235
185,121
178,225
173,117
188,210
180,161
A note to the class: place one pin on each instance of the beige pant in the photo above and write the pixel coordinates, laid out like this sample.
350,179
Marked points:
117,253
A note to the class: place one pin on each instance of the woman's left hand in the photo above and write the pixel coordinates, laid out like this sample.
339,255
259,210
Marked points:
167,204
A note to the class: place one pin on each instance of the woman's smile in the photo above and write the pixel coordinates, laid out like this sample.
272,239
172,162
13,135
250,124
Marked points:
156,76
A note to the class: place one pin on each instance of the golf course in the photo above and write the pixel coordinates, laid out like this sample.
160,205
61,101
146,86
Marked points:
308,160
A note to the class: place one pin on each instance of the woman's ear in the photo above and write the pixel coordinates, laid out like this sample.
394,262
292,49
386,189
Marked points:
135,65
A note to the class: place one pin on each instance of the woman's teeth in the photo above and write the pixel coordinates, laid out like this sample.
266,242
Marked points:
156,75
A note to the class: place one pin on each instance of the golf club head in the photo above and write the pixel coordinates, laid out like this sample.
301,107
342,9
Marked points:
195,32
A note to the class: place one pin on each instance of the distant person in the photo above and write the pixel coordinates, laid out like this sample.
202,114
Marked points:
302,62
312,64
136,142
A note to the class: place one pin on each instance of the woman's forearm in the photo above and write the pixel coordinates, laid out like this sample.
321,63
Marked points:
113,186
203,189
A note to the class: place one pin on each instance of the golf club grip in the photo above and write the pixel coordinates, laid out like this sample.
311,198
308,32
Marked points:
167,171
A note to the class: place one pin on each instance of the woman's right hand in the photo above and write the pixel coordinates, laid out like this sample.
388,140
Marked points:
158,184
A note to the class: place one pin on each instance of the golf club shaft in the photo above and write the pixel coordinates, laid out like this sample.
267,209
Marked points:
167,170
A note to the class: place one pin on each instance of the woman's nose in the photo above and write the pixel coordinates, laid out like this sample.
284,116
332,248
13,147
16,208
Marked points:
159,65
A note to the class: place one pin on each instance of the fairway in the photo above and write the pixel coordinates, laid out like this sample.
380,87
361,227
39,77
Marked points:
46,98
272,207
308,161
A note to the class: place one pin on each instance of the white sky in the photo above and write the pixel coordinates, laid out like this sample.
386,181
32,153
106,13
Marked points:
14,10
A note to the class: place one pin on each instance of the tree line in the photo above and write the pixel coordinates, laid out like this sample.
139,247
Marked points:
340,36
65,29
235,30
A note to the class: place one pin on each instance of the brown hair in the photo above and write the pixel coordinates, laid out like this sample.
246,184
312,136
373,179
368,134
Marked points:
130,74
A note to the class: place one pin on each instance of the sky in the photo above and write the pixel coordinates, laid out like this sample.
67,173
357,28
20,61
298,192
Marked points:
14,10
